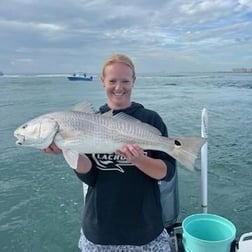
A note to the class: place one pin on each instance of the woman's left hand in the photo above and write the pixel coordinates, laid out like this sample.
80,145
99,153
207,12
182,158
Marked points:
155,168
132,152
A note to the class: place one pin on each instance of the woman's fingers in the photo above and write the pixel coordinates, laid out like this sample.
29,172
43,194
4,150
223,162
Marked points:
130,151
53,149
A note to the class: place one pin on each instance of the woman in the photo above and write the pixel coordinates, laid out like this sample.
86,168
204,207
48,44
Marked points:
122,206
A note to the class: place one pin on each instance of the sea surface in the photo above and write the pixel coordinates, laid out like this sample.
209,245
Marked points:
41,199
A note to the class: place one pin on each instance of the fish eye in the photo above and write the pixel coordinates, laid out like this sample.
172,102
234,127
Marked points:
24,126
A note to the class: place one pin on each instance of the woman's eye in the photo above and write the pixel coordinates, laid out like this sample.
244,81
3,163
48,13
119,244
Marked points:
125,81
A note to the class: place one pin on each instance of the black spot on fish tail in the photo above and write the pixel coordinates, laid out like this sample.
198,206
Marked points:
177,143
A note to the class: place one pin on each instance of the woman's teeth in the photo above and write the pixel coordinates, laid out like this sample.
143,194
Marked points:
119,94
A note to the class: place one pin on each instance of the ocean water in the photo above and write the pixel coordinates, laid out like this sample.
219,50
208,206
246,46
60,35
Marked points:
40,197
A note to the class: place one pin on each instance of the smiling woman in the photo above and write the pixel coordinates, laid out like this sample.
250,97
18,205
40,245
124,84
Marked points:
122,210
122,228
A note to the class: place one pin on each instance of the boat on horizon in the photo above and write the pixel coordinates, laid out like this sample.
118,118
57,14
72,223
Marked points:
80,77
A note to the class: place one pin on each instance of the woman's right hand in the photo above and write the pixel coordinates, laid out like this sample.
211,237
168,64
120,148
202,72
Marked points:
53,149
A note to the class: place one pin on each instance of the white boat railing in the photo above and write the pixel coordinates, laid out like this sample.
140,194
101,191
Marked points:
245,242
204,161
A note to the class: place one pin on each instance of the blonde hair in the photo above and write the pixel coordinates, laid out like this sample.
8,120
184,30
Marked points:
119,58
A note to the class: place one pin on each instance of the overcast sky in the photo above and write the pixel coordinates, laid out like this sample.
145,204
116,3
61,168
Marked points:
62,36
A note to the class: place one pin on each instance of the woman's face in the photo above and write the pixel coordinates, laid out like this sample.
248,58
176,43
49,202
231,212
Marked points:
118,82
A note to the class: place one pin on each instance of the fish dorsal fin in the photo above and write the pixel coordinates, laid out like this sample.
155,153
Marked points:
126,117
146,126
108,113
85,106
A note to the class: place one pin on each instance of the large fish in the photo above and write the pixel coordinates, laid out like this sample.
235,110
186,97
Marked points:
81,130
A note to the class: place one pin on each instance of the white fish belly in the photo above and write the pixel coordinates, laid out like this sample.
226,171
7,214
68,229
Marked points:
108,143
89,144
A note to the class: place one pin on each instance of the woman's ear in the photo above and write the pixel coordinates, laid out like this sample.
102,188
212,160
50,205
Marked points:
102,81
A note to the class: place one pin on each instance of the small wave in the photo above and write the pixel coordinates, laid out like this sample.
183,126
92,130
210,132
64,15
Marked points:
34,75
6,105
235,84
247,86
177,75
170,84
238,85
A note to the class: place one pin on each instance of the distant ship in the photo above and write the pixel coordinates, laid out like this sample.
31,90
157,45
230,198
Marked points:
80,77
1,73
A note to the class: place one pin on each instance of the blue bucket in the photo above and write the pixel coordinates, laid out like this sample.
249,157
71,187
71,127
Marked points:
207,233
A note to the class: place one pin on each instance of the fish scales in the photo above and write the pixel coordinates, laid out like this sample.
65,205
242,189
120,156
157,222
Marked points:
88,132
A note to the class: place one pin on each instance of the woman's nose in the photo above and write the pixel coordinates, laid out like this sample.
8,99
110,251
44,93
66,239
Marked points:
118,85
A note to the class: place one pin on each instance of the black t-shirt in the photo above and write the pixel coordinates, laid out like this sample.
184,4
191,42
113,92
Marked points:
122,205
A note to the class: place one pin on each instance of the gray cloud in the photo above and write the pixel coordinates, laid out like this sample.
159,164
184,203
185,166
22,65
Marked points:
75,34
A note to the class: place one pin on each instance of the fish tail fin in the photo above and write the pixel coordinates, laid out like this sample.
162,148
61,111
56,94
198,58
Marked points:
186,149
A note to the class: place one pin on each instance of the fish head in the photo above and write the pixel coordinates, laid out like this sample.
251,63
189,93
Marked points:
38,133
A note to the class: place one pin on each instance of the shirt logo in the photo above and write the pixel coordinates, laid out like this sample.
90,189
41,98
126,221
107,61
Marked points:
111,162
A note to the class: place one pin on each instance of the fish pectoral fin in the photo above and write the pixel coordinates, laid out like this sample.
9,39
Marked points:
71,157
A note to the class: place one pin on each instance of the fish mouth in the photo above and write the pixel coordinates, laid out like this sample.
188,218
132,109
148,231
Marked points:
20,139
